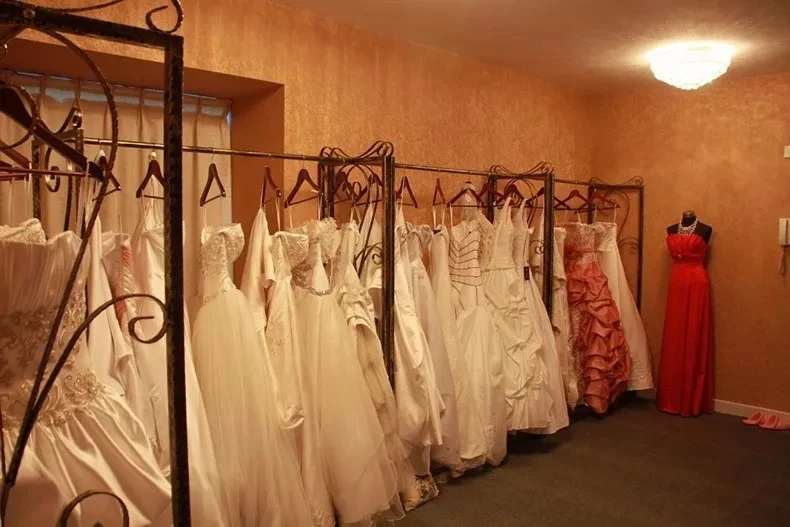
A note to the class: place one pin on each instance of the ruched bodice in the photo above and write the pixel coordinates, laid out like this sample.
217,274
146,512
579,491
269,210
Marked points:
579,244
220,246
33,277
687,248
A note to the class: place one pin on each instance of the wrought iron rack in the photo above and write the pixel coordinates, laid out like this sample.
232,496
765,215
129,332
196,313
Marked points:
542,172
621,190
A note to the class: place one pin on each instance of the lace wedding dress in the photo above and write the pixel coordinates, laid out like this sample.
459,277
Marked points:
86,437
353,453
259,477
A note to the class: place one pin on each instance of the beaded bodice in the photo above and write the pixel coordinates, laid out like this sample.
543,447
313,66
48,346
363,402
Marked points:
219,248
323,241
33,277
605,236
29,231
579,244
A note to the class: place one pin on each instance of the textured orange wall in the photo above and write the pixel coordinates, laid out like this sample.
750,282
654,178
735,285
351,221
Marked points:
347,87
717,151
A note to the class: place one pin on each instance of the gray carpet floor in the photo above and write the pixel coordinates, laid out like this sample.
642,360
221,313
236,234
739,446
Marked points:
633,467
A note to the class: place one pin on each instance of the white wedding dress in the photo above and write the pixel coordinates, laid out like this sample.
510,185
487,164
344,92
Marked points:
259,471
560,312
633,327
478,340
86,437
427,310
357,305
471,437
548,349
144,272
529,402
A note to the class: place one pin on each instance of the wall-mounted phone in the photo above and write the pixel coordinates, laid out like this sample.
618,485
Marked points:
784,241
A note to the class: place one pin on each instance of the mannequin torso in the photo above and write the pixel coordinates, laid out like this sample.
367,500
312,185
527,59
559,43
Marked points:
689,217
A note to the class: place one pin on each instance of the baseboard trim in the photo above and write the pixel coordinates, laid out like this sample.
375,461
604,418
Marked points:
743,410
726,407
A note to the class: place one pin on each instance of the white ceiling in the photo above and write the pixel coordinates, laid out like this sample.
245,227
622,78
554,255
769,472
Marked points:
587,44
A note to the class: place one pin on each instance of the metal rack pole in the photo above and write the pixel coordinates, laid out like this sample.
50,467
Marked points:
388,272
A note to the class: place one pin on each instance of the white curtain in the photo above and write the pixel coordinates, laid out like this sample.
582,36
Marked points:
140,116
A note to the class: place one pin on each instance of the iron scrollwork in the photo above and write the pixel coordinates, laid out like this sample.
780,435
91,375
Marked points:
17,17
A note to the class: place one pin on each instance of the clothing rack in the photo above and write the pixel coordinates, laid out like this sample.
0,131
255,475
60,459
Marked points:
542,172
380,154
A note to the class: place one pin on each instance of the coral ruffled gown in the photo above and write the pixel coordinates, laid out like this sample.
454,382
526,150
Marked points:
598,338
685,378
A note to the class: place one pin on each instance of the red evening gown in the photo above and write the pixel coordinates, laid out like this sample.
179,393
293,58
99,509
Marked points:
600,352
685,378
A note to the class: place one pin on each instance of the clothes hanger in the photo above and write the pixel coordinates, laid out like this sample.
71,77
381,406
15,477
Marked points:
576,194
437,192
213,176
405,185
467,190
153,170
488,190
114,185
268,180
512,191
342,185
302,178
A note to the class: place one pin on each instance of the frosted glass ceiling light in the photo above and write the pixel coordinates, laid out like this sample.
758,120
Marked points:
689,66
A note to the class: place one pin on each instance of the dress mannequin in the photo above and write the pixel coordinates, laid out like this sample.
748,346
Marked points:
689,217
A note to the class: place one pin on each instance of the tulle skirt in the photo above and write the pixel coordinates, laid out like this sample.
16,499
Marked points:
99,447
258,466
360,477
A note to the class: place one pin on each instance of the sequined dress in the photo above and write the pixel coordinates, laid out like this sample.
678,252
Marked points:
86,437
258,467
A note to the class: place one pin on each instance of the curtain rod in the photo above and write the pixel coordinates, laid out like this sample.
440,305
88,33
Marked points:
231,152
463,171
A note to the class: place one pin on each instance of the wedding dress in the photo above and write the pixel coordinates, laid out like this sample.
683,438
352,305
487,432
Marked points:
144,272
86,437
633,327
478,341
427,310
357,305
353,452
259,477
595,322
570,361
471,438
418,399
548,350
529,402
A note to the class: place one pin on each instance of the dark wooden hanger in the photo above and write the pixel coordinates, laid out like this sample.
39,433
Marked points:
212,177
512,191
301,178
12,105
267,181
405,185
464,191
488,190
153,170
114,185
575,194
606,202
438,193
343,186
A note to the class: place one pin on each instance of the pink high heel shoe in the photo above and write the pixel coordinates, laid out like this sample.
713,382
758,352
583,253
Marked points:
774,422
757,418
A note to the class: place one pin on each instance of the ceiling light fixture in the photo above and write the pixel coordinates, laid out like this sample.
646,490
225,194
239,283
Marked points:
690,65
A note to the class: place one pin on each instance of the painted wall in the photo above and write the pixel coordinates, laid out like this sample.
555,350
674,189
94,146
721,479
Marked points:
717,151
